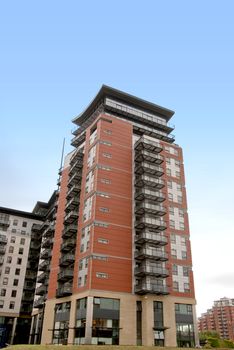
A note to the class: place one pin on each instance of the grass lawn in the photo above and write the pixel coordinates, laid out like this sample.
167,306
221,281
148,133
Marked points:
85,347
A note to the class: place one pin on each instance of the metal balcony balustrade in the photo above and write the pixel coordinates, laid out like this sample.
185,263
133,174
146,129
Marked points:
146,270
149,145
67,259
73,202
148,157
149,253
36,227
149,208
152,288
70,217
65,275
45,254
43,277
3,239
44,225
149,181
151,237
35,245
47,242
78,154
34,255
39,303
68,244
4,222
144,130
69,231
153,195
74,179
63,291
30,275
151,223
41,290
44,265
73,189
30,286
147,168
2,250
27,297
78,164
36,236
49,230
78,140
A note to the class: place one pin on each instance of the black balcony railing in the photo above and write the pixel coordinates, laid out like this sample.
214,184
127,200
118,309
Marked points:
152,288
144,193
150,157
151,237
64,291
65,274
66,259
151,271
149,253
151,223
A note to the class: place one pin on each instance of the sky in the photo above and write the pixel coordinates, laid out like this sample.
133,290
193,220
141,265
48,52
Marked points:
54,57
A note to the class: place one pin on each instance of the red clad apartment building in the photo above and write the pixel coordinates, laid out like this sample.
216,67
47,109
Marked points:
220,319
119,266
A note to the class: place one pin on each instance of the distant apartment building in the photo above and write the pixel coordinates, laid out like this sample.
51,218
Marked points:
115,265
219,318
17,279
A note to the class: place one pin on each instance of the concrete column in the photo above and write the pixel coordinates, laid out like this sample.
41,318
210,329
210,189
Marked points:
147,322
196,336
89,321
36,328
72,322
13,331
31,328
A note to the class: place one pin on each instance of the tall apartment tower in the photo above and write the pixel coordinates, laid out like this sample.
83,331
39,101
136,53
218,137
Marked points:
121,266
220,319
17,275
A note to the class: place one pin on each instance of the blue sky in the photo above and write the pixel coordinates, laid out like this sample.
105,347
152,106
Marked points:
54,57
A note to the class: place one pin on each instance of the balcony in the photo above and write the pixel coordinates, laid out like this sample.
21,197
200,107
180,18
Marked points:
29,286
148,157
150,223
43,265
73,191
65,275
147,270
78,140
149,145
152,288
151,237
71,217
34,256
49,230
146,168
149,253
30,275
47,242
43,278
144,193
69,231
2,250
149,208
67,259
4,222
36,227
149,181
39,303
68,244
73,202
35,245
74,179
45,254
77,164
45,225
155,133
3,239
64,291
42,290
78,154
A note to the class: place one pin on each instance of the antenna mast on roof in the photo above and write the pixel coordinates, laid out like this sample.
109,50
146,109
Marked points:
62,155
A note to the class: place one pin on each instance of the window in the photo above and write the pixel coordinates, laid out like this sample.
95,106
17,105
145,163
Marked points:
173,238
5,281
169,184
7,270
24,224
11,249
106,181
186,287
171,210
181,213
23,232
87,245
107,155
100,224
173,253
179,199
175,286
1,304
185,271
177,163
183,241
172,223
9,259
19,261
12,305
174,269
13,293
168,160
177,174
103,240
86,262
184,255
168,172
21,251
85,279
82,248
181,226
101,275
15,282
107,131
3,292
13,230
15,222
17,271
170,196
102,194
179,187
79,281
13,239
80,265
22,241
105,143
104,210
